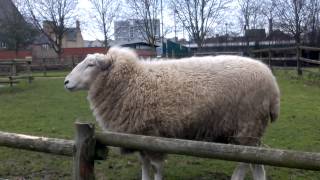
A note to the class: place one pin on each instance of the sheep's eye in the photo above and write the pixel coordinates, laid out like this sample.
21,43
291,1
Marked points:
90,65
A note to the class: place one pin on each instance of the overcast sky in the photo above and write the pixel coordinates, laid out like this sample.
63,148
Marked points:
91,33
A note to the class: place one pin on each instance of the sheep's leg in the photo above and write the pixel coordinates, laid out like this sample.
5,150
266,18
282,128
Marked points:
158,168
258,172
145,166
240,172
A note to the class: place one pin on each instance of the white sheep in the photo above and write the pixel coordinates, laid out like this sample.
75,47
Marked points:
226,99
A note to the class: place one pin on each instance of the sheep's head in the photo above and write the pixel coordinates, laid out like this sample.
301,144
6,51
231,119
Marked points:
82,76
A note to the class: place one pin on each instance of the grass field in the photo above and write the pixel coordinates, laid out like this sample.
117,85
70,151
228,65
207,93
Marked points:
44,108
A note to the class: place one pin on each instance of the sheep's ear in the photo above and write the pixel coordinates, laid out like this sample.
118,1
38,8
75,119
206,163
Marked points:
103,64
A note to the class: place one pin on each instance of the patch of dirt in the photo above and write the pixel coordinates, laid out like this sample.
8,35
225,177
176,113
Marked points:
212,175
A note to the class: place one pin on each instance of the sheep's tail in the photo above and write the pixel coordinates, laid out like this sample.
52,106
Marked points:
274,109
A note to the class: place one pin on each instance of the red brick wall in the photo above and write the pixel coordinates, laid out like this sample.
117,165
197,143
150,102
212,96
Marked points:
82,51
68,52
5,55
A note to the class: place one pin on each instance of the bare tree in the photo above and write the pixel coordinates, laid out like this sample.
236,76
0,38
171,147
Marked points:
313,21
268,11
199,16
292,17
145,13
104,12
55,15
251,14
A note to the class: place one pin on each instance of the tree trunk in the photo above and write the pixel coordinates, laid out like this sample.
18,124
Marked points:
105,42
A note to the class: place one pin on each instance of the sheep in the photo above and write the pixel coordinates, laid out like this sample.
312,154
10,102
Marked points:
227,99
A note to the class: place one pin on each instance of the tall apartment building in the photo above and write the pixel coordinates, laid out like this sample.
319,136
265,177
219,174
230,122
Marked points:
132,30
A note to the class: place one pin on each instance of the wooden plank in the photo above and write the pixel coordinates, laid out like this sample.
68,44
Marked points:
273,49
85,152
39,144
23,60
274,157
310,48
279,59
298,57
11,62
22,77
310,60
9,82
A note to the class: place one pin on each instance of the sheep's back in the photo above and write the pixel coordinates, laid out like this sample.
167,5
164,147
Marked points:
213,97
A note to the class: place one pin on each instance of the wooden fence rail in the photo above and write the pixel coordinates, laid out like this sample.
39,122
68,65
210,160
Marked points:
294,52
39,144
13,75
89,146
268,156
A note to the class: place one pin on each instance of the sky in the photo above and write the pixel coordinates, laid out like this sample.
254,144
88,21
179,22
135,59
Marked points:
87,33
91,33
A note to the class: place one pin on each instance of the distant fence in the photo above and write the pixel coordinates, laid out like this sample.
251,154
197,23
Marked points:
89,146
14,69
47,64
289,55
43,59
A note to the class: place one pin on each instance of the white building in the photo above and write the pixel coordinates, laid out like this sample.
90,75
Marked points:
132,30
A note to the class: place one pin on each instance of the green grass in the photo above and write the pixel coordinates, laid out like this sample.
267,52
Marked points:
44,108
50,73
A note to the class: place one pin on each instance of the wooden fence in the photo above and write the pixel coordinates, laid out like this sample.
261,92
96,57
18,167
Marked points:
294,54
89,146
13,74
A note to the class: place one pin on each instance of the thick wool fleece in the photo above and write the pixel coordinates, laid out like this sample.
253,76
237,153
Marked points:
227,99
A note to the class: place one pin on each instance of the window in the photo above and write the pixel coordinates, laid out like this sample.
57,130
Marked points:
3,45
131,32
45,46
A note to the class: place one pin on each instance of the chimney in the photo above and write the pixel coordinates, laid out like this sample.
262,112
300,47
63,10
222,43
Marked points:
47,27
78,24
270,26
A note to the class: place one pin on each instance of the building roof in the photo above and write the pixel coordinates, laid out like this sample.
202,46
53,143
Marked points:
41,39
7,6
95,43
8,11
255,34
279,35
71,34
135,43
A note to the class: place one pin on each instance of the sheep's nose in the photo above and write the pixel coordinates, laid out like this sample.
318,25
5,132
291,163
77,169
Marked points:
66,82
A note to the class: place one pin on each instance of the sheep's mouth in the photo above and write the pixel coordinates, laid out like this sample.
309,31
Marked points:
70,88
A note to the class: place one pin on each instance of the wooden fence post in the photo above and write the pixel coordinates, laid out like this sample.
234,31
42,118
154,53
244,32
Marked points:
29,72
269,58
44,67
11,81
73,63
13,68
84,152
319,60
298,60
